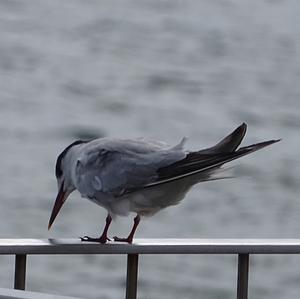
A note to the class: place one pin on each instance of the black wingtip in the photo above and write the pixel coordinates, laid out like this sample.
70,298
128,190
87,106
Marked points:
273,141
243,125
231,142
240,130
269,142
257,146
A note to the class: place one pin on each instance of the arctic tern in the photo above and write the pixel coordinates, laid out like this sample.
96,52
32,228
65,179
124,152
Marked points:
138,175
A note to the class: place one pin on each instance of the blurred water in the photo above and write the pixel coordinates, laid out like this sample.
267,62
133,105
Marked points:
161,69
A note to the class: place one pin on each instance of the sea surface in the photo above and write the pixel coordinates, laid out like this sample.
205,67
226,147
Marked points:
163,70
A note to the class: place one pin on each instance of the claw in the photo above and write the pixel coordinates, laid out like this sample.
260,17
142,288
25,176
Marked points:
130,237
101,240
124,240
83,238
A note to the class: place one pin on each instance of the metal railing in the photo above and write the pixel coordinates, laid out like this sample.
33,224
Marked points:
19,294
241,247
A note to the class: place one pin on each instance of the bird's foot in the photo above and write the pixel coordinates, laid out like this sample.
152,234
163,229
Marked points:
101,240
124,240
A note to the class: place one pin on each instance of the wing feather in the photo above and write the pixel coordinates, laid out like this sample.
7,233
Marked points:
196,162
118,169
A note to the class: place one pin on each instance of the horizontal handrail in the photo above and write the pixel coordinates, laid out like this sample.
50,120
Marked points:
241,247
151,246
16,294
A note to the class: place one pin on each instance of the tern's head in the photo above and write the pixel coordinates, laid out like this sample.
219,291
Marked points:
65,185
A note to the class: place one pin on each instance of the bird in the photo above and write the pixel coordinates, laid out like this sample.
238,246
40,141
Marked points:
140,176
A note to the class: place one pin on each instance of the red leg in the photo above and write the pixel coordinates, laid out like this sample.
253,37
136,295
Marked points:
130,236
103,238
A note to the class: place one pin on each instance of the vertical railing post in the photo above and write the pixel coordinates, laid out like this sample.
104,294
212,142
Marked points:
132,275
20,271
242,279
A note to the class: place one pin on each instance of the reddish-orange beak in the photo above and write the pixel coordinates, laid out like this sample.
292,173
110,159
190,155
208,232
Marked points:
60,199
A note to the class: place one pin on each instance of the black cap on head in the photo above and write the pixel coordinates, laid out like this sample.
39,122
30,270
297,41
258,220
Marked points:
58,169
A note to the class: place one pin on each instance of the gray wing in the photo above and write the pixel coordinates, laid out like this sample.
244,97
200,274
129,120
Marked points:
125,166
196,163
116,167
205,162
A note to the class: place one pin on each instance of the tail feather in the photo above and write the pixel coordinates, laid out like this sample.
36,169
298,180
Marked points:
228,144
257,146
205,164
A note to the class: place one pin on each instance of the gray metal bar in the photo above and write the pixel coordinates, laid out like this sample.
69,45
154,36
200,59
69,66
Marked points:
242,280
152,246
132,275
20,272
21,294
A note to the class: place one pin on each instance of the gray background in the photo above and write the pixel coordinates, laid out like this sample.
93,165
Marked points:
160,69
